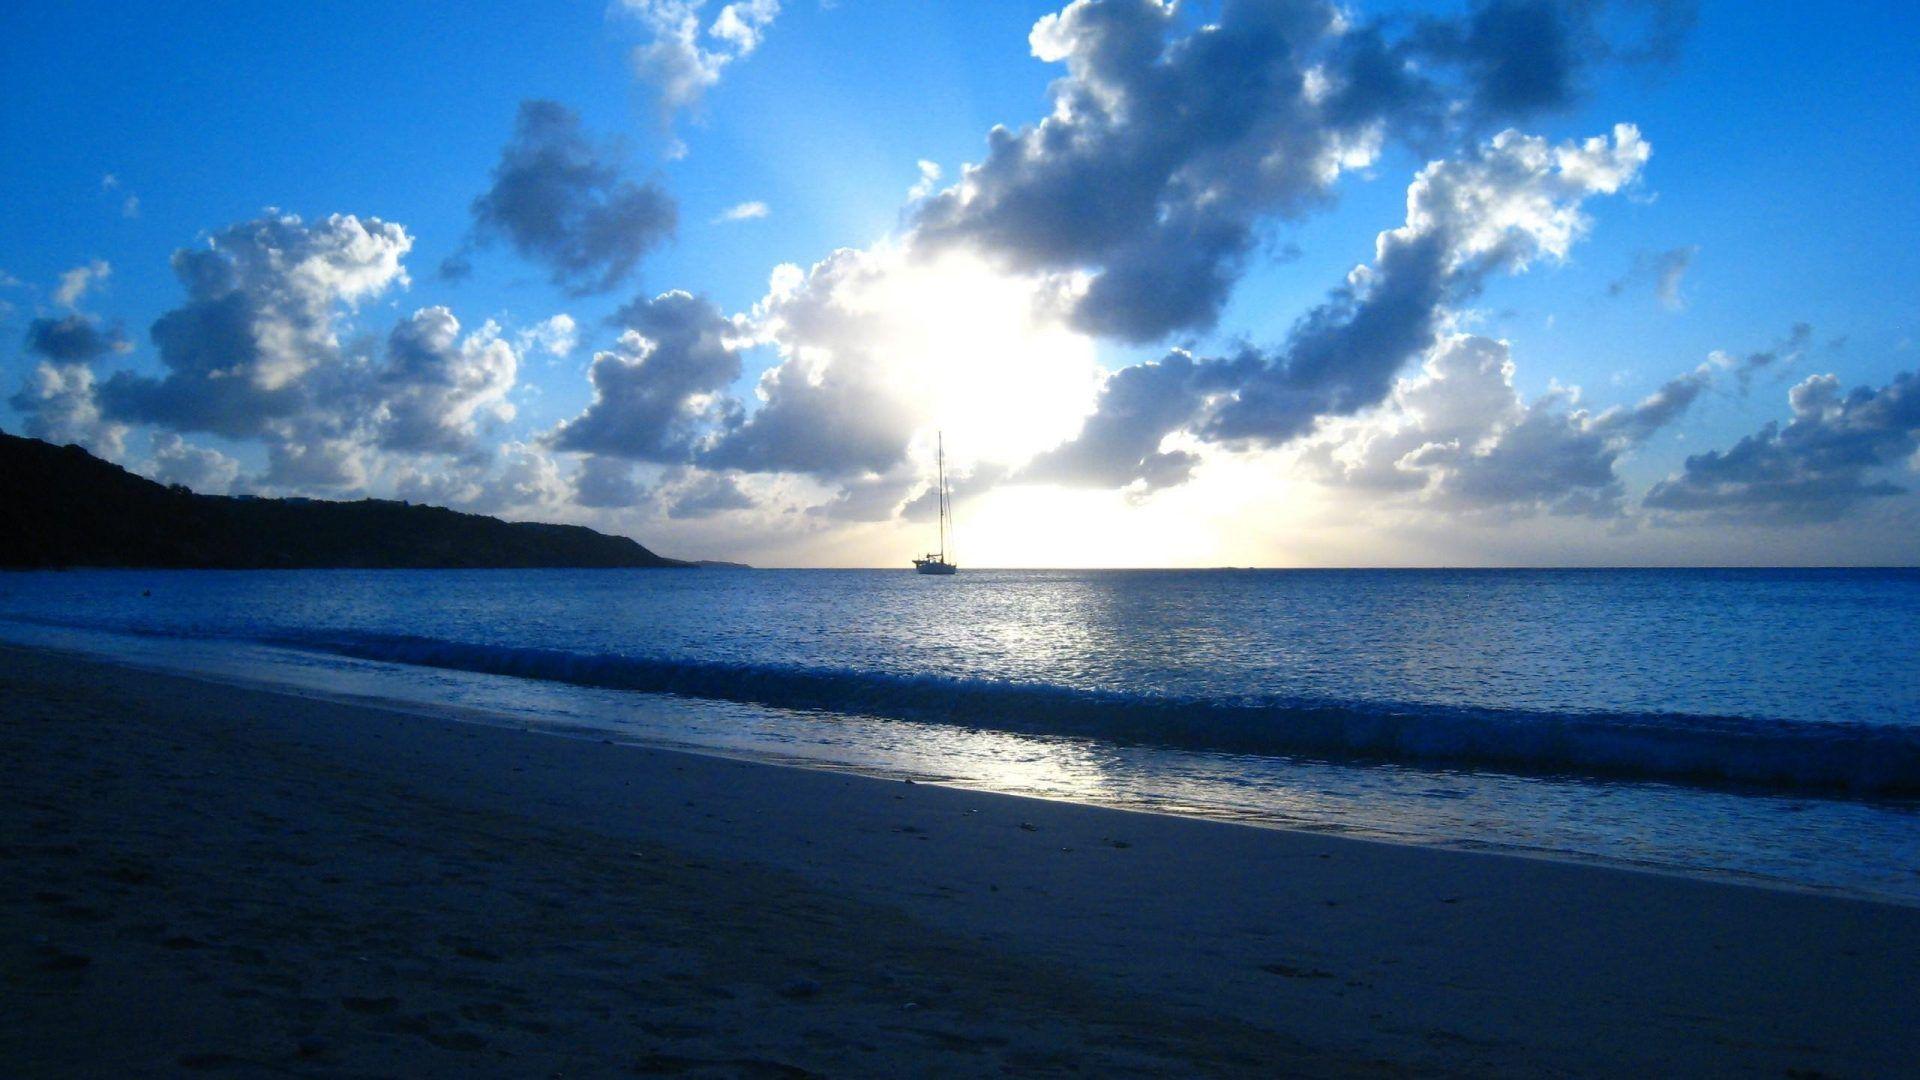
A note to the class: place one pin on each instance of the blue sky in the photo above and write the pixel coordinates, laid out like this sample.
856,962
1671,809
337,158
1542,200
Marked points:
1776,194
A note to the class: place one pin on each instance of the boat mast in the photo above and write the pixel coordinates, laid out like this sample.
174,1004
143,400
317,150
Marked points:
940,459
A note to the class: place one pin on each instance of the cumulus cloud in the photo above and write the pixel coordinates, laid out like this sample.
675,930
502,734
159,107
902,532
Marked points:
1119,445
520,480
1498,208
264,298
75,283
265,348
656,392
560,201
1164,151
173,460
608,482
833,407
1459,437
74,339
59,405
705,494
682,60
930,174
557,336
437,391
1834,454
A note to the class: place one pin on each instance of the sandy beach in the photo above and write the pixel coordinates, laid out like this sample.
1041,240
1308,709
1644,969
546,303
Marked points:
205,878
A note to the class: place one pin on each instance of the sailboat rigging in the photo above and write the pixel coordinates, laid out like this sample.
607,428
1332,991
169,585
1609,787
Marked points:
935,562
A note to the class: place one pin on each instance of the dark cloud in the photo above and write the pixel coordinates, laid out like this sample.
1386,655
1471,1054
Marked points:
708,494
607,482
1495,209
560,201
655,393
833,408
1120,443
840,425
1164,152
1830,458
872,497
75,339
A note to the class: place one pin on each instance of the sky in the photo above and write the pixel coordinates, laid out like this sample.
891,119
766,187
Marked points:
1520,282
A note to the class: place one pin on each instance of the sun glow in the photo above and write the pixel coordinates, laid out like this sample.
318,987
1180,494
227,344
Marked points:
977,358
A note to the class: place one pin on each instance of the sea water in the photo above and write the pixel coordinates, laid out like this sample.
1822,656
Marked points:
1762,724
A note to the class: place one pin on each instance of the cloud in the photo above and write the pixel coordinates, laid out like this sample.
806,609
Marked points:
75,339
436,390
266,348
520,481
929,179
1458,437
607,482
264,299
173,460
1829,458
746,211
59,405
705,494
75,283
655,392
1520,58
1119,445
130,206
679,62
556,335
1498,208
1165,152
562,202
1786,353
879,348
832,407
1666,270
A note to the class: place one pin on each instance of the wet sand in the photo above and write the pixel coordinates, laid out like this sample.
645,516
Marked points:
196,877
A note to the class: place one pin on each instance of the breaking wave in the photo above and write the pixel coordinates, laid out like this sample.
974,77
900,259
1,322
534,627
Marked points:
1862,758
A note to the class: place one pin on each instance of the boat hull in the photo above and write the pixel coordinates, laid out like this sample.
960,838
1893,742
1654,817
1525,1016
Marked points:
930,566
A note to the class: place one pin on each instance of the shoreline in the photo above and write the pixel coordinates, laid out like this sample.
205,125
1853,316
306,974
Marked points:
475,707
1230,950
466,714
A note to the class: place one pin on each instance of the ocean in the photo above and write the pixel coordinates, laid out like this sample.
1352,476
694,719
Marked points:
1755,724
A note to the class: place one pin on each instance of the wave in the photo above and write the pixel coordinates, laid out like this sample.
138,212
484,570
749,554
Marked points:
1861,758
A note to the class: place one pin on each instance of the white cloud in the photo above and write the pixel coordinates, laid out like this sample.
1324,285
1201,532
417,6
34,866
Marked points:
681,64
59,404
556,335
746,211
173,460
929,179
75,283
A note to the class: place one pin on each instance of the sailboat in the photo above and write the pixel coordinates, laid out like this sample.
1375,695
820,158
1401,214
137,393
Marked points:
935,562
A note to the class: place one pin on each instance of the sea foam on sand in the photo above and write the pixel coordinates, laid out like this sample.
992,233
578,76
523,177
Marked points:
202,876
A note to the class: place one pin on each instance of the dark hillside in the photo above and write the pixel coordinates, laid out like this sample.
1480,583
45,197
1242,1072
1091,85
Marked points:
61,506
